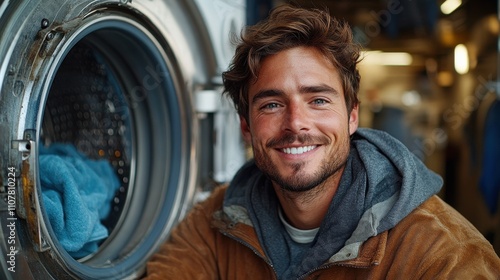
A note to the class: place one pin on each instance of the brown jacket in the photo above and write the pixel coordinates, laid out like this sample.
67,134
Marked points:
433,242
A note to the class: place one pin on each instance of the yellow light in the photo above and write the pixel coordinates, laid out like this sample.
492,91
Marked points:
387,58
445,78
449,6
461,59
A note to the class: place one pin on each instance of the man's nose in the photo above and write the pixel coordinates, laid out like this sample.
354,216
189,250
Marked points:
297,118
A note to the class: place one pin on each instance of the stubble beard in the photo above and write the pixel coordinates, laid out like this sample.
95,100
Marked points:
300,181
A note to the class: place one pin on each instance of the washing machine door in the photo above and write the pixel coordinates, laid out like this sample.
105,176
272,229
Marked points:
95,108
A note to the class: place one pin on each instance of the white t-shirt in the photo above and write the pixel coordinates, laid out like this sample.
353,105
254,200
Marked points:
298,235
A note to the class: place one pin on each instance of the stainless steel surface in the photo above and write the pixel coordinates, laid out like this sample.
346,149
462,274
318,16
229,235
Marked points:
114,78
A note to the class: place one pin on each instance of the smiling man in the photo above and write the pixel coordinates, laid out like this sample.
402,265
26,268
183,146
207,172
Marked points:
322,198
299,128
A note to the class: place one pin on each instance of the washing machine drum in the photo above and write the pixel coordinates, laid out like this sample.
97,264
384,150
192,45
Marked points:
96,138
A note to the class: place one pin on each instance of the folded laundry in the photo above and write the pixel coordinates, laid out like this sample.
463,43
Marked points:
77,193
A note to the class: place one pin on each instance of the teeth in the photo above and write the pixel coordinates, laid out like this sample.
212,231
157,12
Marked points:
298,151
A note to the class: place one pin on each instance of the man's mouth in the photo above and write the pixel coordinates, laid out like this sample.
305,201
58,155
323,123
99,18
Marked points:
298,150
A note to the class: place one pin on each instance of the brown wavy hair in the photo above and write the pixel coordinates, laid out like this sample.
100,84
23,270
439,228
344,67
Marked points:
287,27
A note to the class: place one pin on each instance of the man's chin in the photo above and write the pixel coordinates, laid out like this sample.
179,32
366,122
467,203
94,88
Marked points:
297,182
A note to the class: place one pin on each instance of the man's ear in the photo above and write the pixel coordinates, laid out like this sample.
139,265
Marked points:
353,119
245,130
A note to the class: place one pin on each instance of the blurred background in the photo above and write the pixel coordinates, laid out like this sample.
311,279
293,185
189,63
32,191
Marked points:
429,77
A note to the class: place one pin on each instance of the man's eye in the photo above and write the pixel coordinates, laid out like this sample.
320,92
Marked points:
270,106
319,101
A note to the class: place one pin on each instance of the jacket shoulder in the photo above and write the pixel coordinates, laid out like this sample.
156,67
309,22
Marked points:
440,216
214,201
436,240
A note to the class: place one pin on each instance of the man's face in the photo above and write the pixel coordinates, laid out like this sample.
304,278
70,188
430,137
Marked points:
298,122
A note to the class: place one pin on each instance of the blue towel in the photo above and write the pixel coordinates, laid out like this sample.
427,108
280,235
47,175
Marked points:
77,194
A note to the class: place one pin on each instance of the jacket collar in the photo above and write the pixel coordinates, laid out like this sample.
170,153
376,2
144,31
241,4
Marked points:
236,227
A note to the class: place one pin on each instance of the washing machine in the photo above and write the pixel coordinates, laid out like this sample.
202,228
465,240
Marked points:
108,110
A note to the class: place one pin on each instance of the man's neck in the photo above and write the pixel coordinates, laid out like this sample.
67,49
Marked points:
306,210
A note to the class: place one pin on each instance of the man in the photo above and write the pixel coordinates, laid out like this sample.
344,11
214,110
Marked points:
322,199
